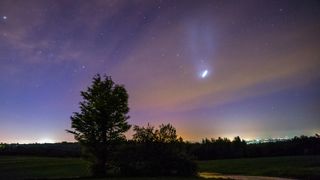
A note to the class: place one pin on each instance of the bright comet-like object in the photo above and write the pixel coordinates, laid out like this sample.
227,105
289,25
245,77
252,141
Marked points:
204,74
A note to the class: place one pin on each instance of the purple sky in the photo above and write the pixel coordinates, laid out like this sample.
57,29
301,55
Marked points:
262,60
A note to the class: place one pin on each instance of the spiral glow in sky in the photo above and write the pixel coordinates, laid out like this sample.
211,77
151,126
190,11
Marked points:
200,38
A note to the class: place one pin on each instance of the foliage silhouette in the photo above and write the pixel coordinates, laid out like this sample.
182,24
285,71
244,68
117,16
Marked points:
223,148
206,150
101,122
155,152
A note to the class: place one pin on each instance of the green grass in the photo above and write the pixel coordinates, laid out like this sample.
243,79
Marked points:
17,167
306,167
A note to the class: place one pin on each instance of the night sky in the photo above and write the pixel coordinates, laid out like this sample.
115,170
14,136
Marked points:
210,68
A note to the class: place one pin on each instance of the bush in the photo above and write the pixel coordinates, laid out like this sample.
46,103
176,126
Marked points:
154,159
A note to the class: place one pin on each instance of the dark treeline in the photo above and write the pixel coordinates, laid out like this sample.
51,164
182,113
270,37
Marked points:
223,148
208,149
64,149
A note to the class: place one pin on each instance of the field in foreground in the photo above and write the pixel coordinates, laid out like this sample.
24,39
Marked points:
301,167
15,167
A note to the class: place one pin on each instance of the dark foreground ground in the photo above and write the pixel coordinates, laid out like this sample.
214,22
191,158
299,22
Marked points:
302,167
299,167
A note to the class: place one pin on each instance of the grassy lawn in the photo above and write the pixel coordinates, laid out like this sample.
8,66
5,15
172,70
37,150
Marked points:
305,167
17,167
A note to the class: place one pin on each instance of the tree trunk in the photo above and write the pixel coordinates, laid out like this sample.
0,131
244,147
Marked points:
98,169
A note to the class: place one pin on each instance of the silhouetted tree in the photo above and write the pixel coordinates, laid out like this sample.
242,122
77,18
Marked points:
144,134
166,133
101,122
156,152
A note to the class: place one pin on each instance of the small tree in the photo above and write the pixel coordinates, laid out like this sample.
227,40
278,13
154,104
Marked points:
101,122
157,152
167,134
144,134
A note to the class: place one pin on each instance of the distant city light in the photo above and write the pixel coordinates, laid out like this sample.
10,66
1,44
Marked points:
46,140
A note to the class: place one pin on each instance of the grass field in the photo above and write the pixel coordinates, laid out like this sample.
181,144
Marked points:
302,167
15,167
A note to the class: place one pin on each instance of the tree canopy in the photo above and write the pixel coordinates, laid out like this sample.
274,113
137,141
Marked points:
102,120
165,134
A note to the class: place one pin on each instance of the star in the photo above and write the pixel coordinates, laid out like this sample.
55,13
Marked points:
4,17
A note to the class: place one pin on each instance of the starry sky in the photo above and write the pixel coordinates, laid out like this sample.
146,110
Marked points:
210,68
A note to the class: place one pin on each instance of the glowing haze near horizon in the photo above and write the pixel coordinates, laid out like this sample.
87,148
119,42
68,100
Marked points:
210,68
